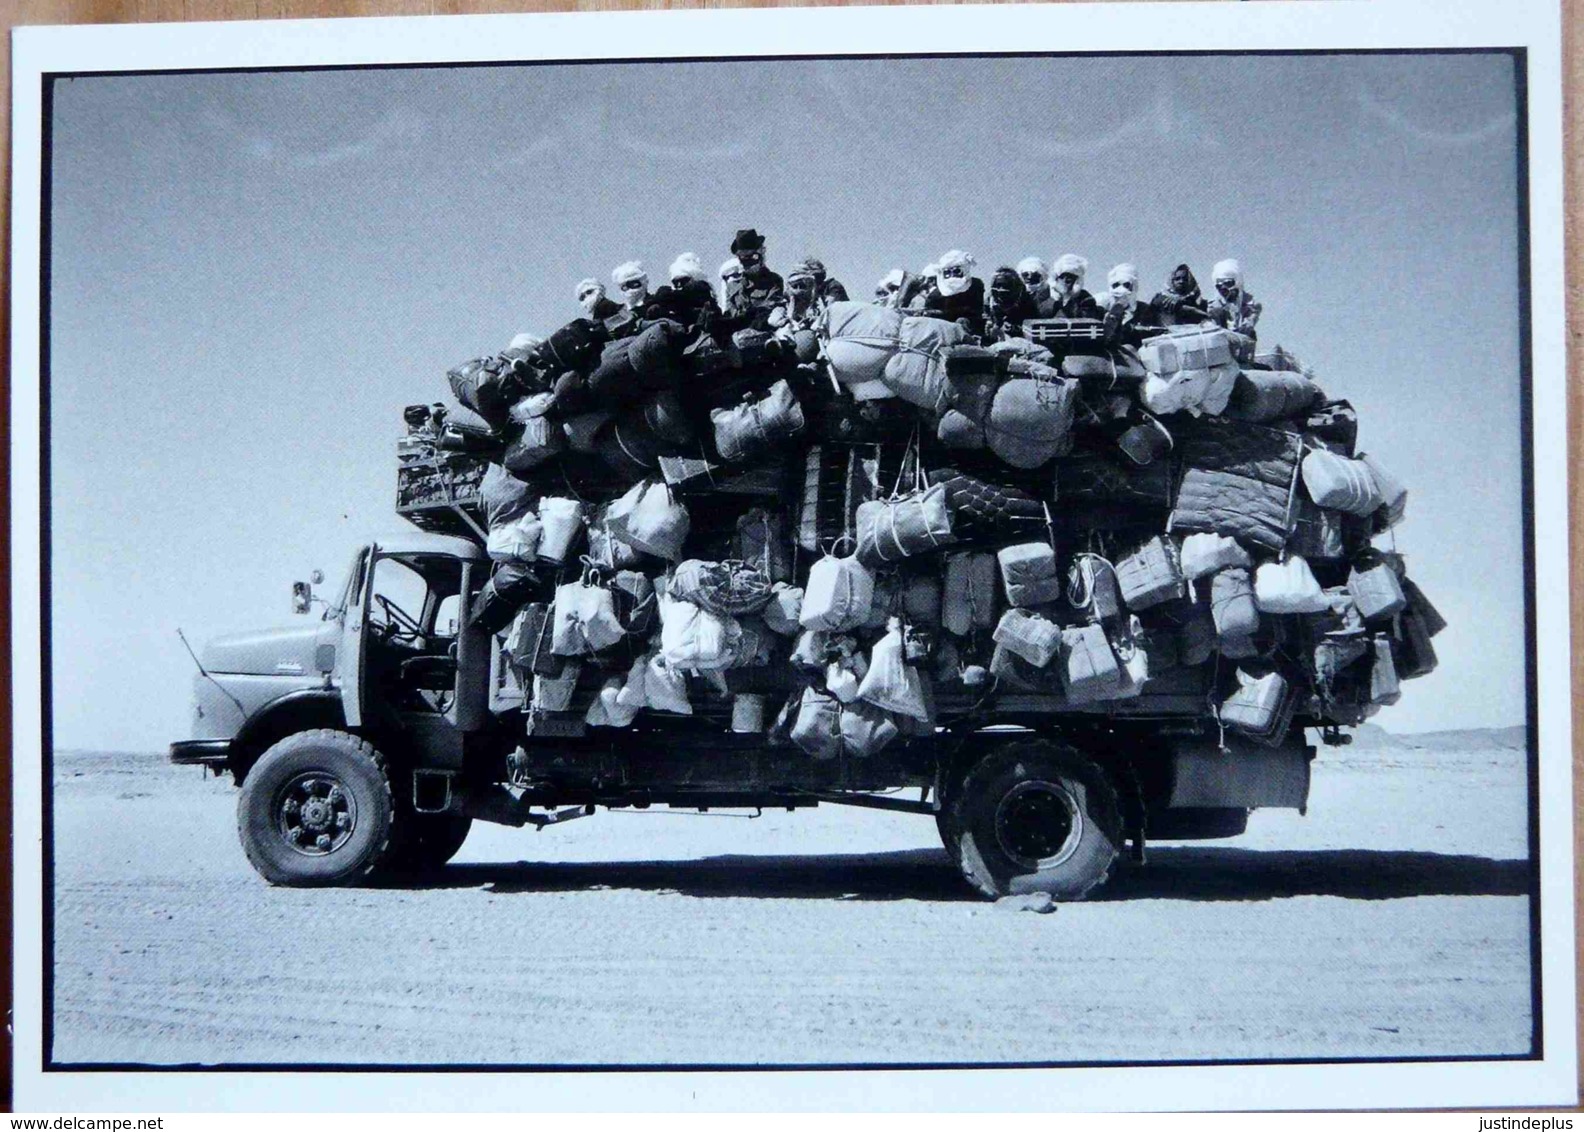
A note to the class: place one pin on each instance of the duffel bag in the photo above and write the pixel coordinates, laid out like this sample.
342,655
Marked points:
968,599
1151,574
1030,421
866,729
1340,483
633,367
1232,604
531,641
1028,573
575,346
1089,667
648,519
1029,635
1204,554
1288,587
1270,395
541,439
628,448
757,424
1113,369
860,339
1393,492
1261,708
730,588
838,594
1194,391
893,529
490,387
1375,587
916,373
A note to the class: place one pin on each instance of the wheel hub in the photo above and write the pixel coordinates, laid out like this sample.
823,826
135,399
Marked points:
315,813
1039,824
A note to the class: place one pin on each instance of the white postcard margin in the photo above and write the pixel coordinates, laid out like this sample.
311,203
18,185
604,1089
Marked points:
1302,25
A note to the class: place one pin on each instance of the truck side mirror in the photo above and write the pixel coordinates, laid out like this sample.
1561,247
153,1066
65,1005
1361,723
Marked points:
302,596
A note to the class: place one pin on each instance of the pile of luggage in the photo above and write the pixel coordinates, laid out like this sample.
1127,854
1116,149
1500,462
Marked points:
850,536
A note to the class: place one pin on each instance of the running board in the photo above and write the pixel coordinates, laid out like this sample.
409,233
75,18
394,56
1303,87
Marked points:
871,801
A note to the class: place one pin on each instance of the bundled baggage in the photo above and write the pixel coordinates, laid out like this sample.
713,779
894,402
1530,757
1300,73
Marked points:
968,597
647,518
1029,635
1089,667
1029,574
1233,607
1261,708
1204,554
1191,369
1270,395
757,424
1374,586
1340,483
1288,587
1030,420
731,589
838,594
1238,480
1150,575
917,522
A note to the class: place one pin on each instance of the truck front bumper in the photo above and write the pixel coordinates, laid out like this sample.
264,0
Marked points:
215,753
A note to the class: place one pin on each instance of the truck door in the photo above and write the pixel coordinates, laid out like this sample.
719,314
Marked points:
352,656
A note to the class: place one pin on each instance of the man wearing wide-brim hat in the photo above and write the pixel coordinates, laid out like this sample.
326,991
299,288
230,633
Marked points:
753,299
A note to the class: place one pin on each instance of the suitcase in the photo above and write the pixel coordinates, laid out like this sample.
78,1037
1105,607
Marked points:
1150,575
1028,572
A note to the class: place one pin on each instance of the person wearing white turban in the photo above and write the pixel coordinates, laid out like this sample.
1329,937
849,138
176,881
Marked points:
731,270
633,281
591,297
1234,306
1036,281
1126,319
1066,288
961,294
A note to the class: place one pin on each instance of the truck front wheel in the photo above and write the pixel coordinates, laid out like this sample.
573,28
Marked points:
1036,817
316,809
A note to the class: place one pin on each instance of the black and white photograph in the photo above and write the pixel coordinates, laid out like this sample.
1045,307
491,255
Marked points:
815,542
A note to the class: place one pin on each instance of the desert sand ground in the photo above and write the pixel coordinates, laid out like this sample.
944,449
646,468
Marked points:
1391,921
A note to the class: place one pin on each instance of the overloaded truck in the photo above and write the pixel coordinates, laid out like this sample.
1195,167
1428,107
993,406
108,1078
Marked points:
1062,593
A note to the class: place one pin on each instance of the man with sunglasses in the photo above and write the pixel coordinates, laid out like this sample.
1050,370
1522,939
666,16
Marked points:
1036,281
1127,321
632,281
959,295
688,299
1070,300
752,300
592,298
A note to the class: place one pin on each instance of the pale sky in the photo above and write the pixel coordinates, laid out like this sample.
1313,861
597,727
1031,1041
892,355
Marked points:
252,274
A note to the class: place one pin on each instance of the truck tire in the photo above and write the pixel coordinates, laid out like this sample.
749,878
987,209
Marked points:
316,810
1036,817
949,836
428,842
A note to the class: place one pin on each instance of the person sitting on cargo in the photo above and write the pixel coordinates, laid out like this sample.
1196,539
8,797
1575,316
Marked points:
1127,321
1069,299
633,282
591,297
1036,281
1234,306
826,289
688,299
1181,303
730,272
751,302
1008,307
960,295
804,303
925,284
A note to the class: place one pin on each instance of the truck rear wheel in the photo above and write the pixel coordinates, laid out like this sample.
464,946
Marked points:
1036,817
316,810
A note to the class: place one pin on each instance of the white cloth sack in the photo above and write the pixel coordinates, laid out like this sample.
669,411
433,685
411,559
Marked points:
584,621
892,683
1393,492
1288,587
648,519
561,520
517,539
1204,554
554,693
1029,635
696,640
786,604
838,594
665,687
1340,483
